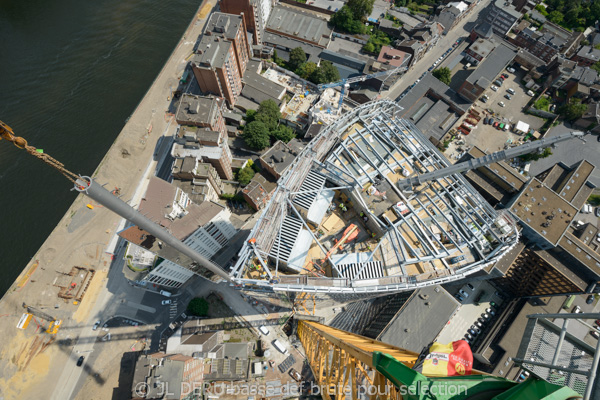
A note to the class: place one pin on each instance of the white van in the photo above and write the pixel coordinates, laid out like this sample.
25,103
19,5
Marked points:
280,346
263,330
165,293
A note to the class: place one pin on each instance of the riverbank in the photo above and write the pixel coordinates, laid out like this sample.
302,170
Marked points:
34,361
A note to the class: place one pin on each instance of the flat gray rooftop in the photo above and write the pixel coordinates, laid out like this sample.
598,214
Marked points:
300,24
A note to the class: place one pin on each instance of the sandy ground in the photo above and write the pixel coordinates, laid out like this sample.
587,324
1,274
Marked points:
31,366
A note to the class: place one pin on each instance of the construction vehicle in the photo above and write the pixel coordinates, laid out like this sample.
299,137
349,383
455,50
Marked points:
346,365
349,235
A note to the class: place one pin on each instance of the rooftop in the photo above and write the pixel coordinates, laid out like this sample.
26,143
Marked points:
543,210
391,56
420,320
197,110
312,51
259,88
279,157
482,47
222,24
493,65
300,24
212,52
387,240
589,52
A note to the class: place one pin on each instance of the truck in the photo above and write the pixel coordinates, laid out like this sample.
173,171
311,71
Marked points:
279,346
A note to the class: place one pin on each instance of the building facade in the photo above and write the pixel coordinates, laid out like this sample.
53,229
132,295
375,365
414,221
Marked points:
233,29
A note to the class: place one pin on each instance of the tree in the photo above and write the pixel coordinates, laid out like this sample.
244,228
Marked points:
245,175
369,48
541,9
360,8
344,20
297,58
329,72
306,70
556,17
283,133
269,108
250,115
443,75
572,16
256,135
536,155
198,307
573,110
596,67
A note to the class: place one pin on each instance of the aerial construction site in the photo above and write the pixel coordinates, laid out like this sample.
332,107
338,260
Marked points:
344,222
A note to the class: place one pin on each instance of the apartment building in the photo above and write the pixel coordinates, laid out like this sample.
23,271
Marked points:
255,13
200,111
549,41
502,16
231,28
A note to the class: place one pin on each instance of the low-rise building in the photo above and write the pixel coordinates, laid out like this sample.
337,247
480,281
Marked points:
199,180
502,16
488,70
258,192
167,376
258,89
549,41
278,159
479,50
392,57
586,56
200,111
299,25
452,14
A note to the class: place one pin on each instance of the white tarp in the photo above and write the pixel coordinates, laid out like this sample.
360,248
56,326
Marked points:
522,127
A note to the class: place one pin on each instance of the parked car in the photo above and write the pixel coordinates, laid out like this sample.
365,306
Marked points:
478,324
511,70
590,299
96,325
504,75
481,321
470,286
598,208
530,93
458,297
472,332
166,302
501,104
511,91
502,78
598,138
595,334
486,316
494,305
494,88
496,124
490,311
498,82
507,96
469,336
576,310
484,100
476,329
491,121
463,293
80,361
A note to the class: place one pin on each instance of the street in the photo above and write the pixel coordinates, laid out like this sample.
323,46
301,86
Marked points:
443,44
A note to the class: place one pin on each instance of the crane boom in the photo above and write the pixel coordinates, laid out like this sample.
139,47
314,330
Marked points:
409,183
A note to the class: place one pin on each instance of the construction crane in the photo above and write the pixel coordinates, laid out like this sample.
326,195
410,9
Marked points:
349,234
409,183
346,82
350,366
97,192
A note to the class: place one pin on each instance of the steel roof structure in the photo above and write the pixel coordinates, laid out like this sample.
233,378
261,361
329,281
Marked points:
438,231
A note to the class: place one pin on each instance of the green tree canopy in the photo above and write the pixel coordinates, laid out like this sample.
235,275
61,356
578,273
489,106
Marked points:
306,70
198,307
536,155
573,110
250,115
330,72
344,20
256,135
268,113
297,58
443,75
245,175
556,17
361,9
596,67
283,133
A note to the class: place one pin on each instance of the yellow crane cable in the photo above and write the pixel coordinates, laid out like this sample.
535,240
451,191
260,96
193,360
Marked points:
7,133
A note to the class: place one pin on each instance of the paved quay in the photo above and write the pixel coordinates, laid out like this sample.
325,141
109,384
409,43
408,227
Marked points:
37,365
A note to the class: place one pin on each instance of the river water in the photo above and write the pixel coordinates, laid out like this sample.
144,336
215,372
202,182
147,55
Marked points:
71,73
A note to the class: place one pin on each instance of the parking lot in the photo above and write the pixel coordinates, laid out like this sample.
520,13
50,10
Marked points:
487,137
469,312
